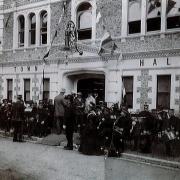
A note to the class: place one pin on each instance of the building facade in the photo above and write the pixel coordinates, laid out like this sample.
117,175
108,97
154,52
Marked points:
146,61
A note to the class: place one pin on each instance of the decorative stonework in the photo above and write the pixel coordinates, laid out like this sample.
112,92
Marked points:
35,88
17,85
144,89
1,88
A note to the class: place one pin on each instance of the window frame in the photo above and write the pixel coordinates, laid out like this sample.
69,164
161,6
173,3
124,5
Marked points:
42,33
9,91
32,30
21,31
27,90
46,93
168,93
129,93
88,30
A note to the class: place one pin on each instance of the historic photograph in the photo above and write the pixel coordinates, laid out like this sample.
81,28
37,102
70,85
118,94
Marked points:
89,89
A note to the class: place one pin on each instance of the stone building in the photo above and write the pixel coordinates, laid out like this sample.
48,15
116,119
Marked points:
146,61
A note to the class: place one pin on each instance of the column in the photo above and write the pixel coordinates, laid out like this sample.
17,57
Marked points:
1,27
49,26
124,19
26,38
15,32
38,26
143,18
94,22
163,18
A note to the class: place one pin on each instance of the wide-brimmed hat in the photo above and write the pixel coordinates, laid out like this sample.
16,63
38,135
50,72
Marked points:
63,90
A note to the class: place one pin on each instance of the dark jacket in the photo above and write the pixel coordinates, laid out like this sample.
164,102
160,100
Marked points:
18,111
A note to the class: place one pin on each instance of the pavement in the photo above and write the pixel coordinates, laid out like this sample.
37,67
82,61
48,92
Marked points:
43,162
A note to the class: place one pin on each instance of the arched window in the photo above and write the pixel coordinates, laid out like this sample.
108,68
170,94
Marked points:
21,26
154,15
43,30
173,14
134,16
32,29
84,21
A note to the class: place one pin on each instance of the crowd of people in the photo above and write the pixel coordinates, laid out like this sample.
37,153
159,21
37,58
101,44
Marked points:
102,129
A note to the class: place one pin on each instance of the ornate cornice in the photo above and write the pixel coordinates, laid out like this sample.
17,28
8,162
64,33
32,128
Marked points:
151,54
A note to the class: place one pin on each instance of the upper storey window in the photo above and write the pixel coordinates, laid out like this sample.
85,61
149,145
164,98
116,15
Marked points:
43,20
134,17
154,15
21,26
84,21
32,30
173,14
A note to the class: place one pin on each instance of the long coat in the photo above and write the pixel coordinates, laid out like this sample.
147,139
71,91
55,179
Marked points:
59,103
18,111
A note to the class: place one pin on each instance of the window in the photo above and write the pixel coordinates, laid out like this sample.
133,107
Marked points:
134,17
9,89
163,91
26,90
46,88
21,25
173,14
128,85
154,15
32,30
84,21
43,20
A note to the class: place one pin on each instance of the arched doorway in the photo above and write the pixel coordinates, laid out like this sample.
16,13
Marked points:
87,82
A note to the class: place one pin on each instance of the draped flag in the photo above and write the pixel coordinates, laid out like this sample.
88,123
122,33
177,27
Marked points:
107,43
153,5
105,39
170,5
55,34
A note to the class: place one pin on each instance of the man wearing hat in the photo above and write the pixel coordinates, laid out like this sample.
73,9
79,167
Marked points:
79,108
59,105
18,116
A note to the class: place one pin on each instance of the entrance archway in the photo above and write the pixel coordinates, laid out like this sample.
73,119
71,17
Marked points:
87,82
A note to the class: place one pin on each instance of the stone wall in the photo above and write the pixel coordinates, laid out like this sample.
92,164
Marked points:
8,31
111,17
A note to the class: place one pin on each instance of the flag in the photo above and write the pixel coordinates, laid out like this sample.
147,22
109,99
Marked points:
7,21
98,18
105,40
45,56
151,8
170,5
114,47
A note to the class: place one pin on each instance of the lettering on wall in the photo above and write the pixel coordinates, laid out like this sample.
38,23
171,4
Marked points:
155,62
26,69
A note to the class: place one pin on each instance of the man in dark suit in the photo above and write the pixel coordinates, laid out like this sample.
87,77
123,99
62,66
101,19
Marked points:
18,116
59,105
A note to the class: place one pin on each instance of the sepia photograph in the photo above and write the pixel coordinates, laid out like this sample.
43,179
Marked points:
89,89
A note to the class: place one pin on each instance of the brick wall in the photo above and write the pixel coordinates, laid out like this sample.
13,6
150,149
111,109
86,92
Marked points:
111,12
8,31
